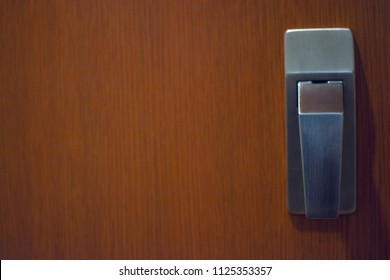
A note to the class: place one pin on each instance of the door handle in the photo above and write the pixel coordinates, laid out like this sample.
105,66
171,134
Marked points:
320,117
320,111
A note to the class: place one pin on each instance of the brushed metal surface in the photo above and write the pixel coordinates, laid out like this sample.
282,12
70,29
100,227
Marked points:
319,55
320,97
320,108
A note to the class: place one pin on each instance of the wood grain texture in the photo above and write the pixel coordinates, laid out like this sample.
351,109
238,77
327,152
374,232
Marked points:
155,130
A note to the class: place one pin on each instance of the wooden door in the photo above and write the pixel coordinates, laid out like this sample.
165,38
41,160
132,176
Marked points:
156,130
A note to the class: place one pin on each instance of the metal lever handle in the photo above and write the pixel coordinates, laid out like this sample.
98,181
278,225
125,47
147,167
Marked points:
320,108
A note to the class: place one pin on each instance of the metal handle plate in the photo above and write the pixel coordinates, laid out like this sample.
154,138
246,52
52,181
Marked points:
320,117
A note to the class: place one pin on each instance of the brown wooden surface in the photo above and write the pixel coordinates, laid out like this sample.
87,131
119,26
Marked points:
155,129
